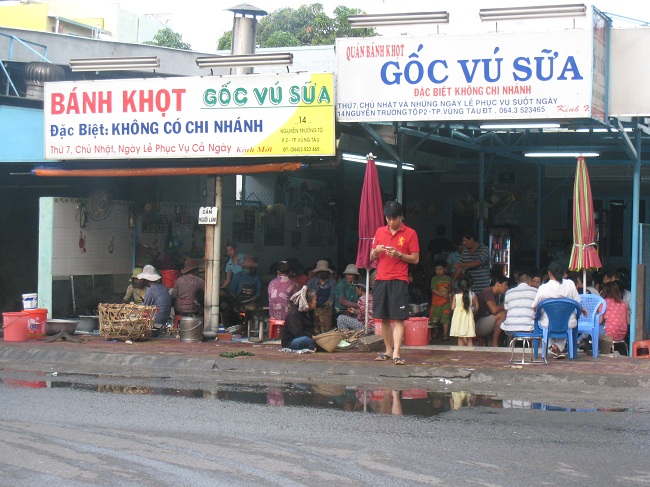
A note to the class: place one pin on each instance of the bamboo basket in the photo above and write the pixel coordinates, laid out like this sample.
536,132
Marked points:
328,341
126,321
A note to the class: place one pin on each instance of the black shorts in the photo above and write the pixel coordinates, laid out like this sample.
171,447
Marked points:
391,300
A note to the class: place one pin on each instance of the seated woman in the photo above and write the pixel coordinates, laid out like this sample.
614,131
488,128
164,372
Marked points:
280,291
233,266
298,328
136,289
616,317
247,286
345,293
358,322
557,287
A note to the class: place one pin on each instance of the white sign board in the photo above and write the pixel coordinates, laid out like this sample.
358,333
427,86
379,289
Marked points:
474,77
231,116
208,215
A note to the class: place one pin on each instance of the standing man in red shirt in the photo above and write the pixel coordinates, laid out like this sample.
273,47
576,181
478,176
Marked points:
395,246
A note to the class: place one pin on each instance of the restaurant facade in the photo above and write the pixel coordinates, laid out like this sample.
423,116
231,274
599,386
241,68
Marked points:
457,116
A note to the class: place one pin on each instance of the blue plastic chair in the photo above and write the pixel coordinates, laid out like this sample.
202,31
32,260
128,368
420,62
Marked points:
596,307
559,311
526,338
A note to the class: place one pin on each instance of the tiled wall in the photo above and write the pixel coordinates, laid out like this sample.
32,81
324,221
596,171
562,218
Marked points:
101,247
66,249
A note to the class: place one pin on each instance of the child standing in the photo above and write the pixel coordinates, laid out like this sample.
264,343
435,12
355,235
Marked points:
617,318
440,306
464,305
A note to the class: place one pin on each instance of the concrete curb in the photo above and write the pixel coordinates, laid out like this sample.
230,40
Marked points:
100,359
166,364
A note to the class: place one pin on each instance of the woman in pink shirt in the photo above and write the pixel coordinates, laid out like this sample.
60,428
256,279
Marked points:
616,317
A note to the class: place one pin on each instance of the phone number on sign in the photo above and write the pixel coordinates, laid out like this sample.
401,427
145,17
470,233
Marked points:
301,148
522,109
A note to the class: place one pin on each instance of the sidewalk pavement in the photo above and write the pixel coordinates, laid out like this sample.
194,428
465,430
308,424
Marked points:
165,356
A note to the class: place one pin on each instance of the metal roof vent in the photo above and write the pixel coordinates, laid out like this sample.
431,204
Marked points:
37,74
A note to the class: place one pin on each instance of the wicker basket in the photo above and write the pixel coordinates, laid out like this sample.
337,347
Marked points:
126,321
328,341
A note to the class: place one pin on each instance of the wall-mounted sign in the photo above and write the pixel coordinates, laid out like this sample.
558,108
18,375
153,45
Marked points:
155,224
214,116
473,77
208,215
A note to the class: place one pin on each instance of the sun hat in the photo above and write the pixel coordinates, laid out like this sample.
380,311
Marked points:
249,262
136,271
190,265
351,269
149,273
322,266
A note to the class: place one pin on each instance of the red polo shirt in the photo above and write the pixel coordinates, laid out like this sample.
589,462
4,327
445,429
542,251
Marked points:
405,240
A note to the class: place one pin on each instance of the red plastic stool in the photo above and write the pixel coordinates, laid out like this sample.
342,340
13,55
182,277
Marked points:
643,345
274,328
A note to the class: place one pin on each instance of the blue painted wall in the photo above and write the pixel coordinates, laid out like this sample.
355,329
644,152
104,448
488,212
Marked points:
21,135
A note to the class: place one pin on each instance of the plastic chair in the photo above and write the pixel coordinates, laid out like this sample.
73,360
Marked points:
595,306
559,311
526,338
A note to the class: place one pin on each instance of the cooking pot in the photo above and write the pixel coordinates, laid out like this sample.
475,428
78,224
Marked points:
52,327
417,308
87,323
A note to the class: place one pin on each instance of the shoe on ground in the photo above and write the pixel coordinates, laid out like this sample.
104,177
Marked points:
555,352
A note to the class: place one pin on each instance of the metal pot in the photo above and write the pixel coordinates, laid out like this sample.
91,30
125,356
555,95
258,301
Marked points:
87,323
52,327
418,309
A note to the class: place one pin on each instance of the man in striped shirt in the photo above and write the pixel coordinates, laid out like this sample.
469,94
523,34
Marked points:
518,303
474,262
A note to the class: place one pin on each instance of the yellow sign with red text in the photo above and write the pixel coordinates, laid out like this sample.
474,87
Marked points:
233,116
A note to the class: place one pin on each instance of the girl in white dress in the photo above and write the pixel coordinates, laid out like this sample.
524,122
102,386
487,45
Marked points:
464,305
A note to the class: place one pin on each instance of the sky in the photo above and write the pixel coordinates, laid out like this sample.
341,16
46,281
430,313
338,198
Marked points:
202,22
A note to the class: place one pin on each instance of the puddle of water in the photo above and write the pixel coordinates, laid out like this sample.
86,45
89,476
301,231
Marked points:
374,400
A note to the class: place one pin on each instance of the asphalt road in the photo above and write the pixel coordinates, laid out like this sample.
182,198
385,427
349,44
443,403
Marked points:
69,434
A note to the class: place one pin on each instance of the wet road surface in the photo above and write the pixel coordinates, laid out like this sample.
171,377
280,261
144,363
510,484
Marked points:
64,431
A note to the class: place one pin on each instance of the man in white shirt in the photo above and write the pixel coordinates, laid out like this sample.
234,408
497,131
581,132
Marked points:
518,303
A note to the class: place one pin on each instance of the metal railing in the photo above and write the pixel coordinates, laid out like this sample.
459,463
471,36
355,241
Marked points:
26,44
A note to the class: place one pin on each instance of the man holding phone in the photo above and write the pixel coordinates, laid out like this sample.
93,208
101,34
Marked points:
395,246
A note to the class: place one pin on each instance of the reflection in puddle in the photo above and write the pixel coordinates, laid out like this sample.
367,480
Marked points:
407,402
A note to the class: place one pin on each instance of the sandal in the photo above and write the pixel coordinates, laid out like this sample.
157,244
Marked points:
382,358
399,361
555,352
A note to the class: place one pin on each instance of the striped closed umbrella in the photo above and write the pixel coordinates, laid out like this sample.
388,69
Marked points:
584,254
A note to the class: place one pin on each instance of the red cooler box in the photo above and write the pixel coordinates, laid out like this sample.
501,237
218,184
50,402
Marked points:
416,331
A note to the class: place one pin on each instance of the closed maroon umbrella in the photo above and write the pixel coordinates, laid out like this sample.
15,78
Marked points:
584,254
371,217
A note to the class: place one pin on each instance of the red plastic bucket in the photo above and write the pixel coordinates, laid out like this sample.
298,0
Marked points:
15,326
377,325
36,322
416,331
376,322
169,277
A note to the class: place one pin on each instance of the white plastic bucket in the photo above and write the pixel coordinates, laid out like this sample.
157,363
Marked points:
30,301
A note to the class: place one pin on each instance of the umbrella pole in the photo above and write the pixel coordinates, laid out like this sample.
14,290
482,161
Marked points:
367,294
584,281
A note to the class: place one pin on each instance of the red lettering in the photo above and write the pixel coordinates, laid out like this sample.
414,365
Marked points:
57,103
